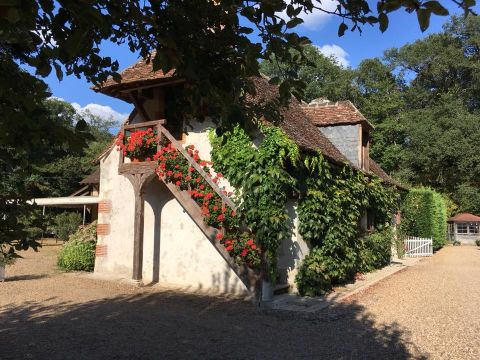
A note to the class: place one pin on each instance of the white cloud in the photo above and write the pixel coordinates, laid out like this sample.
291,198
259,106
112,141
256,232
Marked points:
335,51
102,111
315,19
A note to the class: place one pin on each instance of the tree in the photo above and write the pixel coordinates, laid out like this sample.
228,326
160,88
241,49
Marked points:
35,132
205,41
432,138
63,167
323,76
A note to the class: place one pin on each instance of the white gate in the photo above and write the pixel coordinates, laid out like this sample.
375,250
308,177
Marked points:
417,247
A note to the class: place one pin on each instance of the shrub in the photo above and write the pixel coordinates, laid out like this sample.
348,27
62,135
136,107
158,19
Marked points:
78,254
477,242
66,224
375,250
313,277
424,214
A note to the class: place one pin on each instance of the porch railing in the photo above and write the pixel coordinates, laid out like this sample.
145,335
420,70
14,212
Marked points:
149,166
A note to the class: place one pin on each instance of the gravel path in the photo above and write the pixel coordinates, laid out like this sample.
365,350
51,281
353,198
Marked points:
428,311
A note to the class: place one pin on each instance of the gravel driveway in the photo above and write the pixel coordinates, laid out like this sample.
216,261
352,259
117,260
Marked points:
428,311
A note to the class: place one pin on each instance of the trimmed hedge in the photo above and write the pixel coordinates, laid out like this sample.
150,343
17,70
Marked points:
424,214
78,253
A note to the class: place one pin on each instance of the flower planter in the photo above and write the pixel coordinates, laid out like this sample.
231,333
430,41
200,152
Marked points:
2,273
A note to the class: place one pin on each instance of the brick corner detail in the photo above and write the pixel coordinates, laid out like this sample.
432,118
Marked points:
101,250
103,229
105,206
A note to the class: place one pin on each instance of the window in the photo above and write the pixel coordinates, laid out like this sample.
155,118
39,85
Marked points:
473,228
462,228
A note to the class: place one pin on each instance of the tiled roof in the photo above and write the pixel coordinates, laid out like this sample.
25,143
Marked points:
464,217
378,171
328,113
295,122
139,74
93,178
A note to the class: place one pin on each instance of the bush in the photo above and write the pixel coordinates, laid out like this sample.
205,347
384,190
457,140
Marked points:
477,242
313,277
375,250
66,224
319,271
78,254
424,214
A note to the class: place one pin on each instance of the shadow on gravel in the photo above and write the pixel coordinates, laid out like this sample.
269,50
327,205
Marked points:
172,325
26,277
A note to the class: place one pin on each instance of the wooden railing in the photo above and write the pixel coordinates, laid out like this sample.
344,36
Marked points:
149,166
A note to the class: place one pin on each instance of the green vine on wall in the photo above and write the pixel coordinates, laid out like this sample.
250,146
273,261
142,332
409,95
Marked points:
332,202
329,215
262,182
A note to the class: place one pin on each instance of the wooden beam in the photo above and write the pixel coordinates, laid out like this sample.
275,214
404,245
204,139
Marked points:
139,106
139,181
145,124
140,85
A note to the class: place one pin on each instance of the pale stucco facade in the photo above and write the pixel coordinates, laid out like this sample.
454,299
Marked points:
175,250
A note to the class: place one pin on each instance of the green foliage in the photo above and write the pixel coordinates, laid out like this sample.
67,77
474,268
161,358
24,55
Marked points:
41,142
424,102
78,254
66,224
329,210
262,182
313,277
323,78
429,138
215,64
424,214
375,250
85,233
329,215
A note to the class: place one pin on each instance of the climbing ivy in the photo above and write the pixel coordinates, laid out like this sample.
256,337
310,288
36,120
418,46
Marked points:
332,200
262,182
329,213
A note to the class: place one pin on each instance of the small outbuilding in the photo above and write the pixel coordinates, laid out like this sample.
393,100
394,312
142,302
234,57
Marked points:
464,228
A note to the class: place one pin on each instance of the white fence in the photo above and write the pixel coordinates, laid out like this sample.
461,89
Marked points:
417,247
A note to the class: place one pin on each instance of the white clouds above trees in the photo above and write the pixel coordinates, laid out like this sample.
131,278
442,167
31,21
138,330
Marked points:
335,51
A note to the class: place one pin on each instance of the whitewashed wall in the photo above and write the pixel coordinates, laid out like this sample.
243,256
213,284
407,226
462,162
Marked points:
175,251
292,250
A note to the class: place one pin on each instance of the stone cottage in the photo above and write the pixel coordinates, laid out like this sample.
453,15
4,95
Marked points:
150,231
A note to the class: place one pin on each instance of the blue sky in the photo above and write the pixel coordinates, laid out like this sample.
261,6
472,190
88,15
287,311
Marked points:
350,50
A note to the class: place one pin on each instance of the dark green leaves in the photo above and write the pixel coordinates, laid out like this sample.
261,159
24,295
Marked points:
423,16
436,8
383,20
342,28
294,22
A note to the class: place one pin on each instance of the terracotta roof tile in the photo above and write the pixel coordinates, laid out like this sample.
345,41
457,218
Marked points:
139,74
464,217
295,122
327,113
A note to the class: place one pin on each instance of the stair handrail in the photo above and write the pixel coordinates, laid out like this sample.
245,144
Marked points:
161,130
197,167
